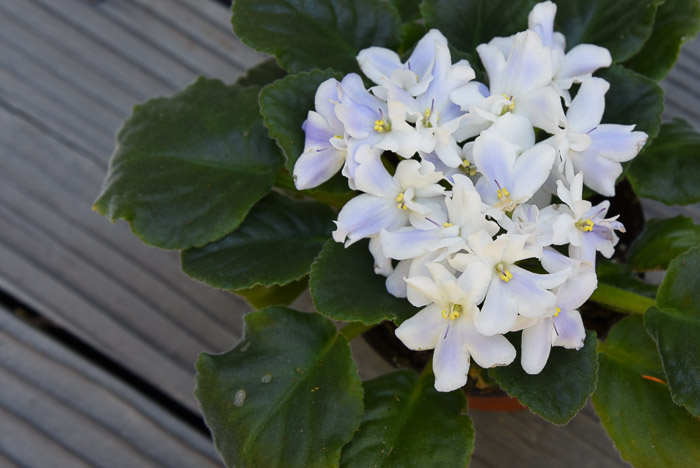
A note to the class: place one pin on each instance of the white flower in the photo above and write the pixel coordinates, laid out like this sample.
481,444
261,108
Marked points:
575,66
509,179
519,84
512,290
565,327
325,146
464,216
593,148
390,202
582,226
447,325
380,64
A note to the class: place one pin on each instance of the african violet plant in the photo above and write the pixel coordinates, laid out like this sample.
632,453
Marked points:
444,167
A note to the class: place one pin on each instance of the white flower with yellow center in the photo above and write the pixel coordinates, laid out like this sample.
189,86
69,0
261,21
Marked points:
512,290
447,325
583,226
411,196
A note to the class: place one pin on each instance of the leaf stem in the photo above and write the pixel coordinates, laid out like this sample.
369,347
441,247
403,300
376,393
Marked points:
353,329
621,300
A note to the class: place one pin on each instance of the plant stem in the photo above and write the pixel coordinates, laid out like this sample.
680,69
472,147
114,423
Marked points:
621,300
354,329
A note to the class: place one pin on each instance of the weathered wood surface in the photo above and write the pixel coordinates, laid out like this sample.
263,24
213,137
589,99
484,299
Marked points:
58,409
70,71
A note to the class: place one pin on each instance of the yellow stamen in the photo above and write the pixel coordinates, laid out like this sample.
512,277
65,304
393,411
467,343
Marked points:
381,126
556,314
503,273
402,204
468,168
446,225
509,107
338,137
454,312
585,226
503,193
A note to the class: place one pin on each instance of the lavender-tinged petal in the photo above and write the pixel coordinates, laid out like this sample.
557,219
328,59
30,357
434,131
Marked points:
407,243
616,142
325,101
371,176
317,166
427,287
494,62
587,108
543,108
451,358
536,344
395,282
599,173
365,216
475,280
583,60
317,132
568,330
531,171
541,21
529,66
378,63
471,94
382,264
489,351
516,129
528,291
423,330
495,157
577,290
422,58
499,311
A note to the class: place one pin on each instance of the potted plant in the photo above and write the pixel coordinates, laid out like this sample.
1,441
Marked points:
444,169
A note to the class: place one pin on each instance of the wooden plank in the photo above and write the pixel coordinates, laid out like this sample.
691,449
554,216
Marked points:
194,16
82,415
88,20
50,39
142,20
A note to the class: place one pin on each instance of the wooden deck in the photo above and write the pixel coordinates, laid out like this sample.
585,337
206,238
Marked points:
98,332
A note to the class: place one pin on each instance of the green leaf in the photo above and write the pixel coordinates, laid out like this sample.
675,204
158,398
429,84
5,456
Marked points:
409,10
621,276
285,105
667,169
676,22
661,241
675,326
276,244
468,23
633,99
264,296
307,34
286,396
637,413
409,423
621,26
561,389
188,168
262,74
344,287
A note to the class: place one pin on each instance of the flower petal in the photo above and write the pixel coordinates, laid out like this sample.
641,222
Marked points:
378,63
423,330
536,344
587,108
451,359
583,60
499,311
317,166
365,216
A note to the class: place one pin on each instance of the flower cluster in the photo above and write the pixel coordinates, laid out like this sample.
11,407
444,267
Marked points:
457,180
